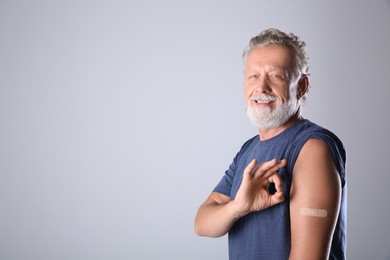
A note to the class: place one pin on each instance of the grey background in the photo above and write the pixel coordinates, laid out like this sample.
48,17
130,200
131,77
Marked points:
117,118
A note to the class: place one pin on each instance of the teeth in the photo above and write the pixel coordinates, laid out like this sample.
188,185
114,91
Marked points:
265,99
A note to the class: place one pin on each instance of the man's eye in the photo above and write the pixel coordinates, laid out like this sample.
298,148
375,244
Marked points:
277,76
254,76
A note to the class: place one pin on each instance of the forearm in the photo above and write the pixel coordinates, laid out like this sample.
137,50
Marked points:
214,219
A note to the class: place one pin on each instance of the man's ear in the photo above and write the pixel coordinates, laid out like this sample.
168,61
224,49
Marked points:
303,87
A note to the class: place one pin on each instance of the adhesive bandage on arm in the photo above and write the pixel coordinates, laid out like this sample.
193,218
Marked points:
320,213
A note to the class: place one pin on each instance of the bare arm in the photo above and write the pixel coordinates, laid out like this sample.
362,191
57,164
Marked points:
314,202
218,213
215,216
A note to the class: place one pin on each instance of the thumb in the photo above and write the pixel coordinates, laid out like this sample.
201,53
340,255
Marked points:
277,198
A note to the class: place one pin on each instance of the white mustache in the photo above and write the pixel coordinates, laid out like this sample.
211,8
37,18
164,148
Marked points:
262,98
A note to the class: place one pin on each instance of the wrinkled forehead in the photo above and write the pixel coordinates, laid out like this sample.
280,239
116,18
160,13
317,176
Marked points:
275,55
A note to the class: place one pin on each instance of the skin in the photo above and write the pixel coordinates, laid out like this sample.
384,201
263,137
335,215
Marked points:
316,182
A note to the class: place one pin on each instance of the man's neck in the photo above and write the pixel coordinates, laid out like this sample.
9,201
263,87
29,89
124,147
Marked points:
268,133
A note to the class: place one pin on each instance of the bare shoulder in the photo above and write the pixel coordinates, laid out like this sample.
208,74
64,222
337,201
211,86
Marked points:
314,149
315,159
316,181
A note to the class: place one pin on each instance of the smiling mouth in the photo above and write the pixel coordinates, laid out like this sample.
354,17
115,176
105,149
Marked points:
262,99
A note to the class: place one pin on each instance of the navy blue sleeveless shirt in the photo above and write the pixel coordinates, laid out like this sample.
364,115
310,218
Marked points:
266,234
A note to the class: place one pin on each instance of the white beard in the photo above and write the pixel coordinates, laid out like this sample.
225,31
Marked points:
266,117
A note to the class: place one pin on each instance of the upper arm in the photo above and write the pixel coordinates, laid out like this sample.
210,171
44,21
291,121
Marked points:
316,185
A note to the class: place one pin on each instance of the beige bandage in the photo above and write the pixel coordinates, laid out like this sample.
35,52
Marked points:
321,213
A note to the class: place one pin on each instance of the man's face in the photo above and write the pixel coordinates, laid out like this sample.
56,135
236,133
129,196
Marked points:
270,89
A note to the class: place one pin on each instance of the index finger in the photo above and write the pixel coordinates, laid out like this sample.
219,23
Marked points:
268,168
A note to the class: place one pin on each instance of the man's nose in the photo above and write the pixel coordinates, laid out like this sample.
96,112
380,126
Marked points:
262,86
